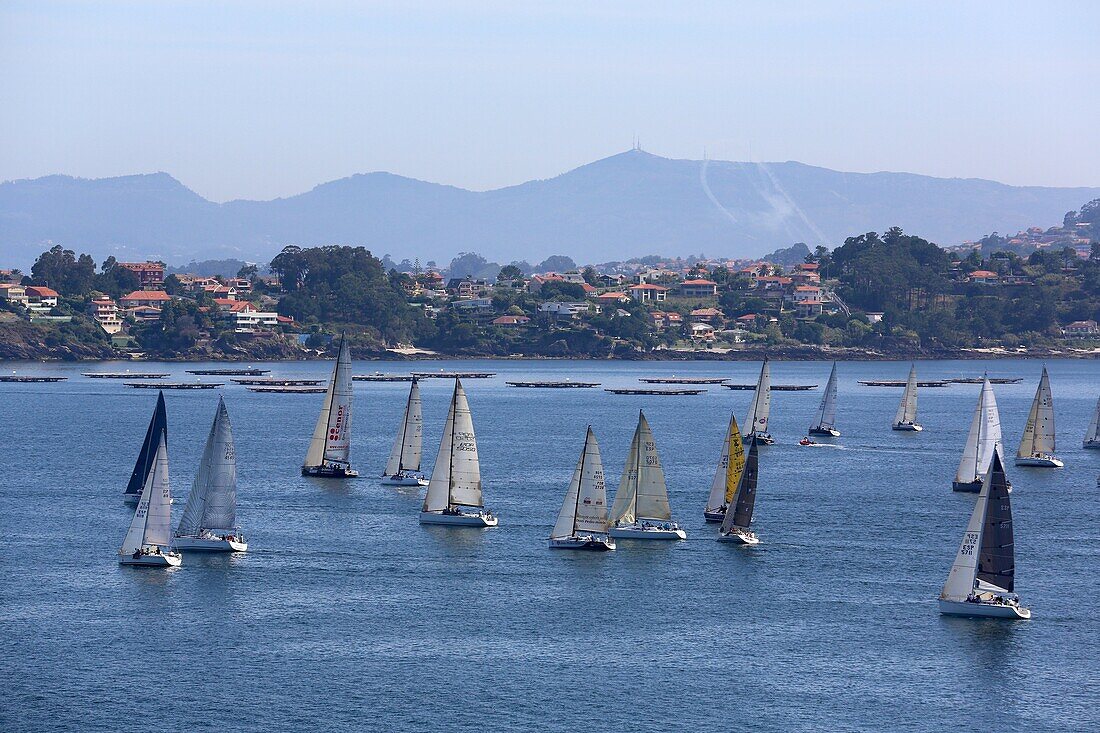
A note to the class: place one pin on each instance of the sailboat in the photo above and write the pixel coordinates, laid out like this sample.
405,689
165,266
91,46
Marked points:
330,448
1092,435
761,408
150,534
1037,444
158,428
582,522
982,442
210,515
735,525
906,417
641,510
981,580
726,475
403,468
455,486
826,413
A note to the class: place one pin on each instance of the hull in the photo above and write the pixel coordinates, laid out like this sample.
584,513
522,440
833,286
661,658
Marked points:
970,487
1042,461
716,515
983,610
831,432
761,439
907,427
152,560
589,543
647,532
1091,444
210,544
404,480
329,472
739,536
459,520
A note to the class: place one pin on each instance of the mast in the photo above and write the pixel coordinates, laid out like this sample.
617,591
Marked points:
623,508
463,467
158,426
580,477
983,440
438,495
760,407
739,512
827,411
327,430
1039,436
401,445
907,409
651,496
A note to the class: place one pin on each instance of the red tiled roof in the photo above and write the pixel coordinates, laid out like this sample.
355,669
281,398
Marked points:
699,282
510,320
159,295
983,273
42,292
648,286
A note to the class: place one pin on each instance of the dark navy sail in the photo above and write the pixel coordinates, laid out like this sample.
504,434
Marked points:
739,514
158,427
996,561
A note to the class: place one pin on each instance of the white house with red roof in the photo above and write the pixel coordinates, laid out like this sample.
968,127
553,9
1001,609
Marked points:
648,293
983,277
699,288
145,298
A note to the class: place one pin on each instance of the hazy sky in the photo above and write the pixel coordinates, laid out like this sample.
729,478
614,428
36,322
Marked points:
258,98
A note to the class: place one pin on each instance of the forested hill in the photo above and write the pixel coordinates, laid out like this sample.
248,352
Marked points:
611,209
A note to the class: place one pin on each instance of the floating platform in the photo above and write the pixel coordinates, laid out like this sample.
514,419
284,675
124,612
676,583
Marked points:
21,378
245,372
175,385
383,377
661,392
453,375
682,380
900,383
287,389
276,382
774,387
124,375
979,380
554,385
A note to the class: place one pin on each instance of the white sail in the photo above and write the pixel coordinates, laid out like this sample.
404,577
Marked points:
456,478
407,446
1092,435
623,508
761,406
584,509
960,579
826,413
1038,435
332,435
645,495
212,503
983,440
907,409
152,522
722,488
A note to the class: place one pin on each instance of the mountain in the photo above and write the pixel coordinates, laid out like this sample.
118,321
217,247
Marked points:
629,204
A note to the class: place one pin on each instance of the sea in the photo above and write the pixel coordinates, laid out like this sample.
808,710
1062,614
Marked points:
346,615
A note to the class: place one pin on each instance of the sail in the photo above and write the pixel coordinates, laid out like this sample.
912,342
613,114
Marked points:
984,438
1092,435
331,440
996,561
1039,432
212,503
158,426
907,409
585,505
136,532
456,478
651,501
623,508
826,413
728,473
407,446
739,512
761,405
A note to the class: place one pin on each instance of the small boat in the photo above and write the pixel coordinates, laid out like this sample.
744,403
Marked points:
906,417
807,441
150,534
1092,435
981,581
826,413
760,408
726,475
403,468
582,522
330,448
982,442
641,510
158,429
735,525
455,486
209,521
1037,444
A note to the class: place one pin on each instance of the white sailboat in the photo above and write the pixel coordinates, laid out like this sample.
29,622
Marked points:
1037,444
760,408
641,510
330,448
209,521
1092,435
455,486
403,468
906,417
158,428
981,581
826,413
726,476
735,525
148,540
582,522
982,442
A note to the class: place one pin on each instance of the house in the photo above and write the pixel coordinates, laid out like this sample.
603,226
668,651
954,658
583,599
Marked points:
230,305
662,320
748,319
570,310
252,321
148,298
1082,330
14,294
511,321
573,276
105,312
150,275
473,306
706,315
772,282
218,290
699,288
241,284
801,293
808,308
874,317
534,285
983,277
466,287
646,293
702,332
806,274
611,281
144,313
40,300
612,298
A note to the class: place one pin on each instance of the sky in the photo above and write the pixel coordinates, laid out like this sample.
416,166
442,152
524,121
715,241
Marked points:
260,98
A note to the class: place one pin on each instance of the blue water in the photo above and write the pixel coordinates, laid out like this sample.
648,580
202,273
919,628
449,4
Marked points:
345,614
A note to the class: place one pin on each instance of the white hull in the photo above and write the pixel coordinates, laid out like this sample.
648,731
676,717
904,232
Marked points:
211,544
714,516
648,532
832,432
329,472
588,542
1044,461
152,560
740,537
984,610
483,519
907,427
404,480
1091,444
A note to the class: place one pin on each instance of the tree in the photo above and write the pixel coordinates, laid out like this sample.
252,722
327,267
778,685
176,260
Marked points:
591,276
509,273
248,272
61,270
556,263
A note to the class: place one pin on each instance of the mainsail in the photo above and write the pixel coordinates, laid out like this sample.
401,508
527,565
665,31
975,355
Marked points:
761,406
212,503
907,409
826,413
456,478
331,441
985,557
407,446
739,512
585,506
642,492
158,428
729,469
983,440
152,522
1092,435
1038,435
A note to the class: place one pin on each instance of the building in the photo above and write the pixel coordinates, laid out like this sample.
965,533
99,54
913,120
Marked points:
465,287
699,288
473,306
148,298
234,306
706,315
983,277
14,294
612,298
105,312
803,293
252,321
40,299
511,321
150,275
564,310
1082,330
648,293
